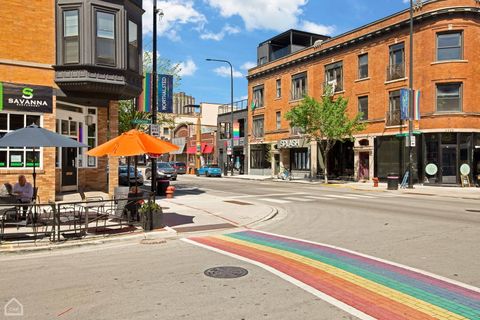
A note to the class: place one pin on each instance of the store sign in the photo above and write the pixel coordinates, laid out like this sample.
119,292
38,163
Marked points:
26,98
291,143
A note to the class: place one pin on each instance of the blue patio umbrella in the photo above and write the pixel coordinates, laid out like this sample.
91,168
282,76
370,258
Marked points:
35,137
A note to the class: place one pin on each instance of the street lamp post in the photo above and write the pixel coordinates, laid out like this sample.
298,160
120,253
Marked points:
154,86
231,106
410,103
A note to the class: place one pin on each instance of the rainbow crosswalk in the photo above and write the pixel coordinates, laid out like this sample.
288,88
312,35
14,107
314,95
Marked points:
364,286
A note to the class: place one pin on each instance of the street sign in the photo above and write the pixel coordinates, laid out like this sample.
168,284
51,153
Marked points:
141,121
155,130
412,142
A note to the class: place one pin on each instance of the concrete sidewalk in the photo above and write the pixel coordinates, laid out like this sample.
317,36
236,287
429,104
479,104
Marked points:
185,213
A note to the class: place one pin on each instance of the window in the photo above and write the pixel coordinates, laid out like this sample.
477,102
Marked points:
132,46
18,157
71,42
225,130
279,88
92,143
334,76
278,120
258,126
396,67
166,131
449,46
363,66
241,125
299,86
449,97
105,39
259,156
300,159
393,116
258,97
363,107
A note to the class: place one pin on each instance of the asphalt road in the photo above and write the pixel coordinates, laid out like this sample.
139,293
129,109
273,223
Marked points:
166,281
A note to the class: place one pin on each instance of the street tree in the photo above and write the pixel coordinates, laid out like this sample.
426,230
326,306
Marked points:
325,121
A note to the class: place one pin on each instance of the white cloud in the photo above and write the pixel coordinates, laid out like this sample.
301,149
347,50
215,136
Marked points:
224,71
248,65
316,28
226,30
278,15
176,13
187,68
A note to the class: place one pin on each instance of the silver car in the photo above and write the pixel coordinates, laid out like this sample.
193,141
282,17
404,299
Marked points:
164,172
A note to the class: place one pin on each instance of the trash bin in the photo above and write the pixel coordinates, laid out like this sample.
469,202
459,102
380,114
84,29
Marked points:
162,186
392,181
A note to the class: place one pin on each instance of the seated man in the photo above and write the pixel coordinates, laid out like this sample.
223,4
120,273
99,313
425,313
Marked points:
23,190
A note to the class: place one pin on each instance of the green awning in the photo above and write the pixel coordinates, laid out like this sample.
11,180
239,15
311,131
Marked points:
405,134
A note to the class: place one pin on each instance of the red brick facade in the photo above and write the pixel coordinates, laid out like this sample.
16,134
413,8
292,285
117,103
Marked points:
375,39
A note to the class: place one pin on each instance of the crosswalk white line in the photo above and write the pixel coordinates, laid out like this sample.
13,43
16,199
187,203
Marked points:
297,199
360,196
318,198
274,200
339,196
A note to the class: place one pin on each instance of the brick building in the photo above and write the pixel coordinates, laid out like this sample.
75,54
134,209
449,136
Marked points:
85,56
369,66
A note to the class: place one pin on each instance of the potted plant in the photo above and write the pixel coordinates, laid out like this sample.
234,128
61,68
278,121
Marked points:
152,215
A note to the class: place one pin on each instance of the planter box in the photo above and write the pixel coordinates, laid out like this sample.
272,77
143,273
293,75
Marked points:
152,220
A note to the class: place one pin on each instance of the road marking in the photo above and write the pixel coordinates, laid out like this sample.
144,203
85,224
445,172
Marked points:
318,198
364,286
361,196
297,199
339,196
274,200
270,195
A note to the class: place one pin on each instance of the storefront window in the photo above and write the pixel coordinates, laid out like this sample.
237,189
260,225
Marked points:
258,157
300,159
20,156
431,157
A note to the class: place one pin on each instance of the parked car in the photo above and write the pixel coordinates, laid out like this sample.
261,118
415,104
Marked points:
123,177
164,172
180,167
211,170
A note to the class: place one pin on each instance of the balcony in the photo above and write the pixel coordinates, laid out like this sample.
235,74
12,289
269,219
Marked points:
395,71
393,118
83,81
237,106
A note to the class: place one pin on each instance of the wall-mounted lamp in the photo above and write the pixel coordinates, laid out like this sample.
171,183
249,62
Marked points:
88,119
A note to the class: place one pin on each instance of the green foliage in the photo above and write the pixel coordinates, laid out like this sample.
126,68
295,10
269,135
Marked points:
127,113
325,121
164,66
149,206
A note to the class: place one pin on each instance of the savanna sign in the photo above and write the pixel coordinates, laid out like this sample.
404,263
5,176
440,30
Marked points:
26,98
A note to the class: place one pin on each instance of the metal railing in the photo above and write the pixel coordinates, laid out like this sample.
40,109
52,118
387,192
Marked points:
393,118
395,71
70,220
237,106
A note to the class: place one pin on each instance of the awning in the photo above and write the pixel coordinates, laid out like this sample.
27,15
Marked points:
180,142
192,150
207,148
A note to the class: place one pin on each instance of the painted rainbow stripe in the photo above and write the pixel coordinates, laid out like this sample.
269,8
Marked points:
364,286
145,99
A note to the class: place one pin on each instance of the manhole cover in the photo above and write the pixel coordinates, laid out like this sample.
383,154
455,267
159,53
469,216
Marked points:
226,272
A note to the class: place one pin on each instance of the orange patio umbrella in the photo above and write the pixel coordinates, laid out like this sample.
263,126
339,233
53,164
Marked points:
132,143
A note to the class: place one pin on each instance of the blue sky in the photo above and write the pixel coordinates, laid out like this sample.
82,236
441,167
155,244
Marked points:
191,31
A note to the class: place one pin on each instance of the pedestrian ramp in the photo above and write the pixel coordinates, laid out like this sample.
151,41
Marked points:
285,199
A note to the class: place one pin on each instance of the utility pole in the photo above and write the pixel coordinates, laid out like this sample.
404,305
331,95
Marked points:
410,104
231,111
154,86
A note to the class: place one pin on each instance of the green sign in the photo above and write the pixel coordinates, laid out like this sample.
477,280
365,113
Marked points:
141,121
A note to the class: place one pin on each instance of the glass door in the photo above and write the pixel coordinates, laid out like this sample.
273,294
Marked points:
69,168
449,164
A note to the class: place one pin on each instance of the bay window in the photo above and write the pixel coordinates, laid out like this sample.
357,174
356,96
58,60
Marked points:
105,38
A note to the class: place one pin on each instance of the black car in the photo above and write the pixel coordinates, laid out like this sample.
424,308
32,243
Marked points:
164,171
123,178
180,167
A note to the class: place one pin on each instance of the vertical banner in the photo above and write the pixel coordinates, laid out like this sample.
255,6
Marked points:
145,99
236,130
416,101
165,93
404,98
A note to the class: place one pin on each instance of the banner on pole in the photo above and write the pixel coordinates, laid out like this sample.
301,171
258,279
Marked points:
404,100
236,130
165,93
145,99
416,102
